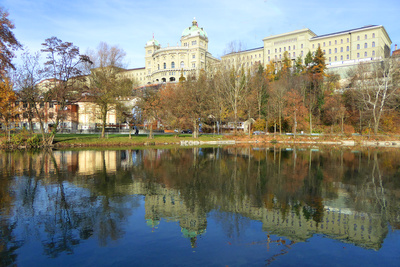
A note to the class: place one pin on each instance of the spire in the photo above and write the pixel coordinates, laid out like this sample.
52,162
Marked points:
194,22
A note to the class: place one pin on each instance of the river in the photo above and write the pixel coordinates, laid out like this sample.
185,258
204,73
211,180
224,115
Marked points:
216,206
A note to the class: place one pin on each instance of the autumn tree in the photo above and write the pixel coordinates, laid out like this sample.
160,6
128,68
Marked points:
150,106
8,110
295,111
106,83
8,43
63,68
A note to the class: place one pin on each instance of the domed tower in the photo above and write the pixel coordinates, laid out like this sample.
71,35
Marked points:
151,46
195,40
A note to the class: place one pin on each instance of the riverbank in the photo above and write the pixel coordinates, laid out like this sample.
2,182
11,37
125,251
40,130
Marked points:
62,141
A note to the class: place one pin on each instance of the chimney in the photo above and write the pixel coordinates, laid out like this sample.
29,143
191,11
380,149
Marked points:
395,47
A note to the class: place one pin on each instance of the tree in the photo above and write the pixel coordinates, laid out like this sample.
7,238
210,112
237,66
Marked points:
377,87
64,69
295,111
150,105
28,75
316,73
8,110
8,43
232,83
106,82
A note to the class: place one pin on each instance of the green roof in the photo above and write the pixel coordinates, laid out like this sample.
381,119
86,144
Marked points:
194,30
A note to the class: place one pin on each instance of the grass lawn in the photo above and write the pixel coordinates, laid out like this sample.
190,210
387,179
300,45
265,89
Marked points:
123,139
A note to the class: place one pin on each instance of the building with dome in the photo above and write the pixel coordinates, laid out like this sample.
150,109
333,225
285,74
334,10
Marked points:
170,63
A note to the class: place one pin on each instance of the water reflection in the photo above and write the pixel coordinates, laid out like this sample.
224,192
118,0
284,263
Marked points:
62,198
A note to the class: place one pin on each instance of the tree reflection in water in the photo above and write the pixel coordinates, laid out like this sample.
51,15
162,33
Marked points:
69,196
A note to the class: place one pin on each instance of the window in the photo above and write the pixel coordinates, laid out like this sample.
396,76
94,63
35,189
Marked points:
373,53
149,52
347,39
193,65
358,55
335,50
335,42
289,48
365,54
268,52
294,54
341,57
329,59
365,37
358,38
365,45
276,50
301,46
347,48
294,47
313,46
269,59
330,51
172,65
289,55
280,49
301,52
341,49
348,57
373,44
51,104
373,35
341,41
194,42
335,58
324,43
158,67
358,46
329,42
165,65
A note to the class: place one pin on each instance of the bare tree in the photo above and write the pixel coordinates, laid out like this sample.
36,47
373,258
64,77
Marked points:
63,68
377,86
106,82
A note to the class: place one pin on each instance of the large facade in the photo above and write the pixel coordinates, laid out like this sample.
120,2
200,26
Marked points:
168,64
342,49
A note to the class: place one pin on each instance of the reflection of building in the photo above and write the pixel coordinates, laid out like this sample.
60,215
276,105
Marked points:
161,202
91,161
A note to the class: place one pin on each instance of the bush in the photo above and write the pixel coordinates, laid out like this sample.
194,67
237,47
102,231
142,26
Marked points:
34,141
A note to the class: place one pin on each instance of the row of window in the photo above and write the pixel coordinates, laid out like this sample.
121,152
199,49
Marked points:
348,57
173,65
341,40
284,48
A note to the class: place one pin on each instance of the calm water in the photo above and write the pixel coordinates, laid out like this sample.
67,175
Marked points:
200,207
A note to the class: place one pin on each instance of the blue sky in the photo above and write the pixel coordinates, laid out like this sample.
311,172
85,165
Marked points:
131,23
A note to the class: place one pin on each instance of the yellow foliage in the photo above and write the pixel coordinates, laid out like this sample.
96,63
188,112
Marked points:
8,110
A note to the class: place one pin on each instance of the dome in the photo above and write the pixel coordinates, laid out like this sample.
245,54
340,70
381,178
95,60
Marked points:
194,30
153,42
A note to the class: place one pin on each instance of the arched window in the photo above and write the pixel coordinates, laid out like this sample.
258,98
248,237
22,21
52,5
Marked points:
358,46
182,64
163,80
172,79
373,53
165,65
172,65
365,54
373,44
365,45
158,66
